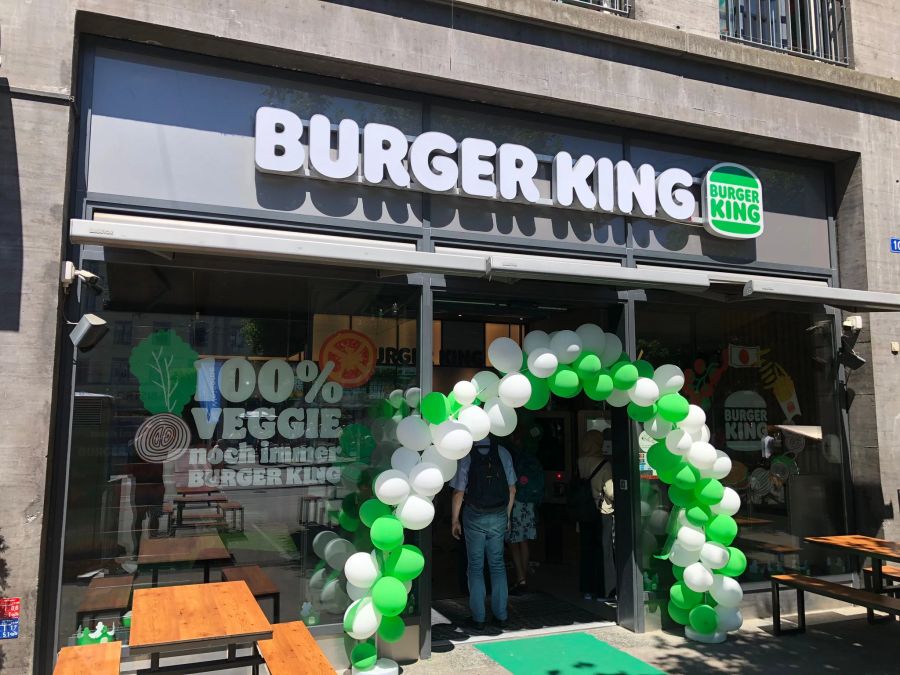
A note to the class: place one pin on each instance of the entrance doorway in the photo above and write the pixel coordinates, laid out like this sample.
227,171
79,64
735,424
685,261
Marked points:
554,577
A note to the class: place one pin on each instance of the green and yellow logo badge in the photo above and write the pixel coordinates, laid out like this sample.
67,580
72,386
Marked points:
733,202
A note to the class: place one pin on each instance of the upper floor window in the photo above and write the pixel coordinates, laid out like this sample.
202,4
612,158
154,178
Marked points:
812,28
615,6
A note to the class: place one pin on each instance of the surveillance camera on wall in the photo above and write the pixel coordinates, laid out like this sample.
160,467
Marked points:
70,273
854,323
89,330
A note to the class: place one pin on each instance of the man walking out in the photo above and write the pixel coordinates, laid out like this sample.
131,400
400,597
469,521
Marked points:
484,490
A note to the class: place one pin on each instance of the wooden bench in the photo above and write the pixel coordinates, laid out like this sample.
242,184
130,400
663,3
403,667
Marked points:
100,659
105,594
854,596
293,651
235,508
259,583
888,573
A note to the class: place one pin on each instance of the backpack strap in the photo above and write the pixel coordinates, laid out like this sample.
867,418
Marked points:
597,470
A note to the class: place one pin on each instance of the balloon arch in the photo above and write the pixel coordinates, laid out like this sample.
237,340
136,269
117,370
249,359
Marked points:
437,430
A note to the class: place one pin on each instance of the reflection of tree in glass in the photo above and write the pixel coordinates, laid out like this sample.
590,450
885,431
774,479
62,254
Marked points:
163,364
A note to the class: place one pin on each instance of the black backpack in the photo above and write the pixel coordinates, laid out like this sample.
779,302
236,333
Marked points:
580,498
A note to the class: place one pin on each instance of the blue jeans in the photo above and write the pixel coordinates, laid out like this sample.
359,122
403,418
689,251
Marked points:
485,533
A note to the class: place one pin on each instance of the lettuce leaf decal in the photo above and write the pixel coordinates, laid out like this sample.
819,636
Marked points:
163,364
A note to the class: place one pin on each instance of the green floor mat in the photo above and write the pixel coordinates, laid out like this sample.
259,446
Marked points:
564,654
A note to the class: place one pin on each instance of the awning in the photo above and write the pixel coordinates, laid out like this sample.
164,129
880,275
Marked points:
815,433
842,298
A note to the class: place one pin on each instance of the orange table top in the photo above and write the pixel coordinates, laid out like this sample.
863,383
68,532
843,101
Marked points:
195,548
862,545
293,650
196,615
105,657
751,520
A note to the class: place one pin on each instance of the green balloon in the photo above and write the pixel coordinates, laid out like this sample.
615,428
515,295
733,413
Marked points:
679,616
564,382
641,413
387,533
683,596
540,392
737,563
673,407
587,365
624,375
679,497
698,514
357,441
389,596
371,510
703,619
722,529
380,410
435,407
659,457
364,655
348,522
406,563
391,628
455,406
667,473
599,386
678,572
686,478
709,491
644,368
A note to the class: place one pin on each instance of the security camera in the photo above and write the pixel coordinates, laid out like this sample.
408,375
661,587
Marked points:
89,330
854,322
70,273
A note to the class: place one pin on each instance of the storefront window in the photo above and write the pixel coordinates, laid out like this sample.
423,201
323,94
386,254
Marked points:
766,379
230,424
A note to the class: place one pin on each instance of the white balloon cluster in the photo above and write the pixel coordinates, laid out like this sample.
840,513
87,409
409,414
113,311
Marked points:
326,582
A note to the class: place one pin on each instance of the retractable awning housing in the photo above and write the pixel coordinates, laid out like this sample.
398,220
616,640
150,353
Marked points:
842,298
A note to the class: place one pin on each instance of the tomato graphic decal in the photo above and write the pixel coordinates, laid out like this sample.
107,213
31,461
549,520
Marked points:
354,356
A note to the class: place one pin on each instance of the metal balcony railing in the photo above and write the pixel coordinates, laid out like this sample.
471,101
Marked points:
816,29
622,7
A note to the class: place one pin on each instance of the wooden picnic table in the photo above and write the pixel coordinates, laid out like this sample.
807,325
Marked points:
879,550
196,490
178,619
205,498
749,521
104,658
201,548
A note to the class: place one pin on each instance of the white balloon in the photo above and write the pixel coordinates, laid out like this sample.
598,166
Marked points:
503,418
337,552
698,578
699,434
657,427
415,512
681,556
658,521
514,390
505,355
361,570
726,591
486,384
447,466
404,459
690,538
713,555
426,479
465,392
721,467
334,597
644,392
566,345
669,379
413,397
413,433
542,362
695,419
408,586
395,398
321,540
593,339
362,619
318,579
678,441
728,505
701,455
612,350
476,421
391,486
714,638
730,618
534,340
618,398
355,592
453,440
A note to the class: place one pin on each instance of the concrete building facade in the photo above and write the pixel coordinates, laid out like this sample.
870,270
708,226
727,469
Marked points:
664,69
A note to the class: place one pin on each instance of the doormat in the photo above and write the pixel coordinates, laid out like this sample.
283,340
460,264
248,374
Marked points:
529,611
564,654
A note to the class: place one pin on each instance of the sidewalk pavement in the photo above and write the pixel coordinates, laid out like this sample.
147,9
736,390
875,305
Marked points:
836,641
